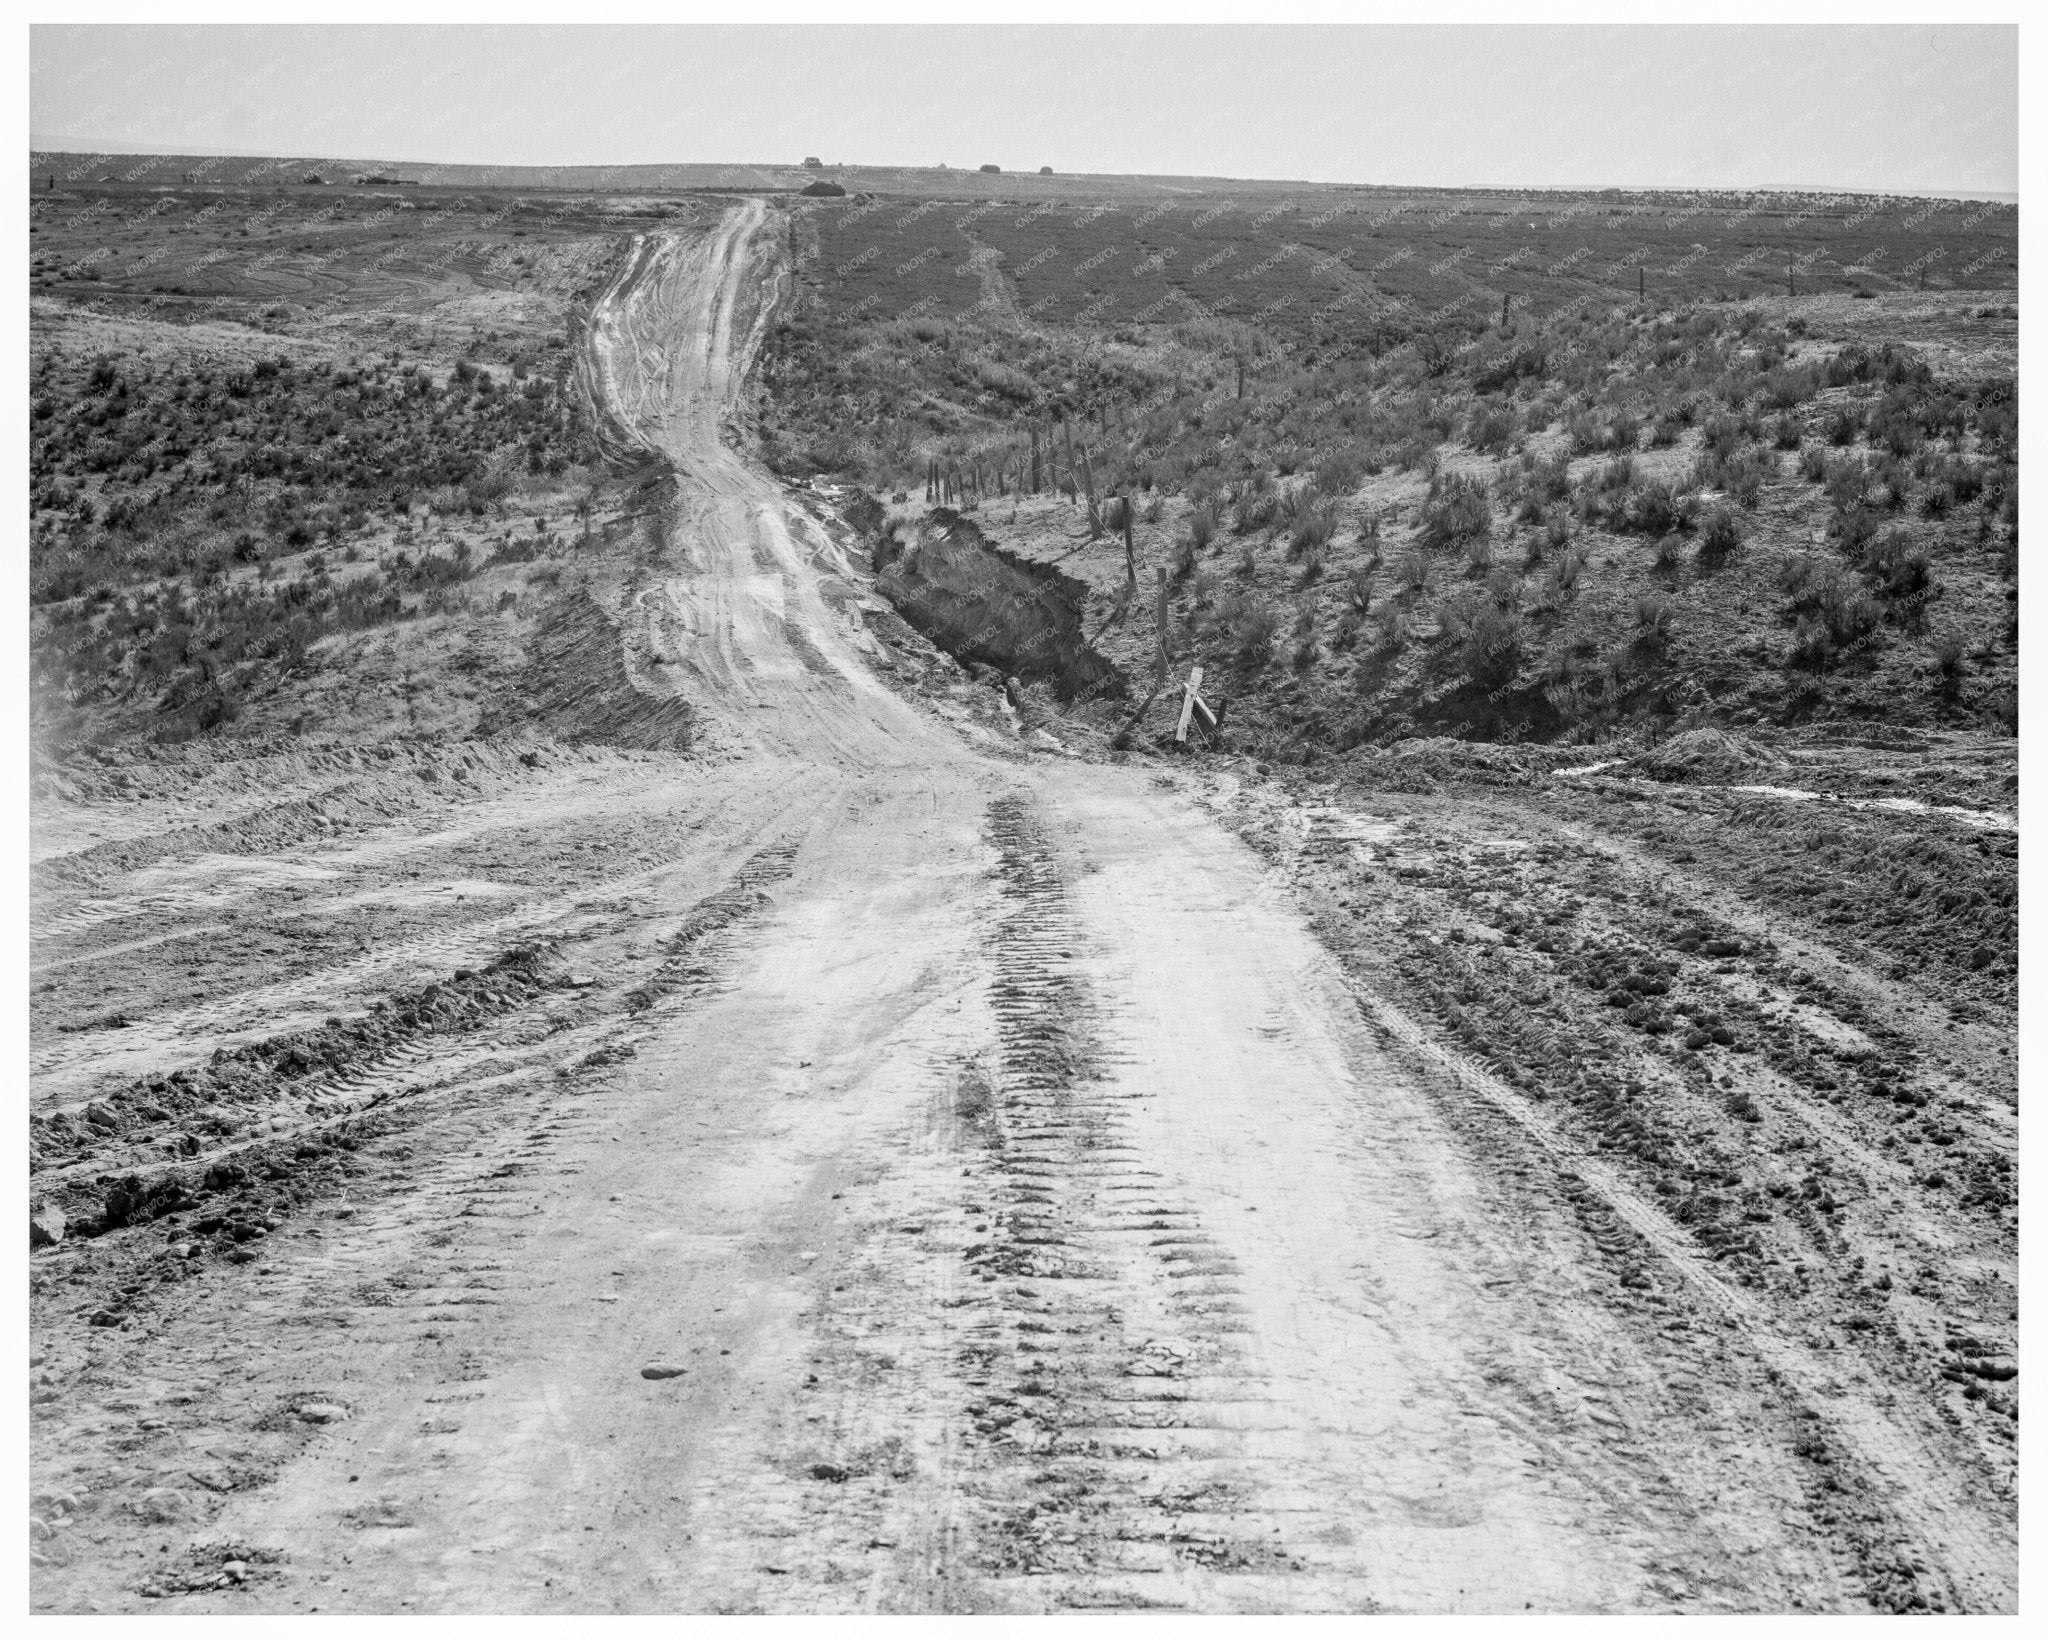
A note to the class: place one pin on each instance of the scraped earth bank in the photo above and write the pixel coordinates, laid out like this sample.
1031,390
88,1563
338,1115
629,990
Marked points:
988,607
879,1159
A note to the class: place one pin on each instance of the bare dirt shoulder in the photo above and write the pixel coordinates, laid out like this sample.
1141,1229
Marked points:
1781,1137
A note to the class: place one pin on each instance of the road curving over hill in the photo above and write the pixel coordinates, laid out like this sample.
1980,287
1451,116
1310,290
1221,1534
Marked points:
946,1174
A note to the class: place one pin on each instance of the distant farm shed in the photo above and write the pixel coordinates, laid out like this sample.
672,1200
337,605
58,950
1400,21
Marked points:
822,189
993,170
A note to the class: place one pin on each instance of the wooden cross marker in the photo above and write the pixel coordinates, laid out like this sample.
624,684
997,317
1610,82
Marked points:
1192,702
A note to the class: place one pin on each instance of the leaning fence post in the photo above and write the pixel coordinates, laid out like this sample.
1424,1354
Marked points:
1191,694
1122,737
1161,615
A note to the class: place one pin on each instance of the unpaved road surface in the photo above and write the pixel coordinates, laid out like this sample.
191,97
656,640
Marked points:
1017,1204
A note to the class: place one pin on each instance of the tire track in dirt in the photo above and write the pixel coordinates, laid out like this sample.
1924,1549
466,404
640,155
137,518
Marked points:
1901,1519
998,290
165,1040
410,1050
1117,1424
1883,1459
1030,1390
687,1227
401,1281
461,1152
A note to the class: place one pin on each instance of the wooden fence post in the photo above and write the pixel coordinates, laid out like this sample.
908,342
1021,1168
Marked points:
1161,614
1187,703
1122,737
1193,703
1131,570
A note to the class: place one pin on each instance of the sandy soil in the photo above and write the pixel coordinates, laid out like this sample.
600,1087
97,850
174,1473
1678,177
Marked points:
878,1160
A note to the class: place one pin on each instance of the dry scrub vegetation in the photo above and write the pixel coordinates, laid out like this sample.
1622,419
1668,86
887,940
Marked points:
298,459
1609,515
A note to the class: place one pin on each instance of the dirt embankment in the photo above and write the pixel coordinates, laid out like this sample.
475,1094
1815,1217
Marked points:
579,684
986,606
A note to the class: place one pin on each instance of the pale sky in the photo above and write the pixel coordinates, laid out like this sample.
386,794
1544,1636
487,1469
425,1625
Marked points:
1902,109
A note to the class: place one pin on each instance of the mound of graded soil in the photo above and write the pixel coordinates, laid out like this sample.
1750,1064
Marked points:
1707,754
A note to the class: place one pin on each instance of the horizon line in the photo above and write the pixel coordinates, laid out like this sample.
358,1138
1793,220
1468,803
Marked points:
101,146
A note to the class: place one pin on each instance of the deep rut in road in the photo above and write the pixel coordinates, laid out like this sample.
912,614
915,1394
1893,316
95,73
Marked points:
1116,1411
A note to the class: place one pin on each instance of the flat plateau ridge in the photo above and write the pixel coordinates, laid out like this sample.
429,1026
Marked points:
911,1171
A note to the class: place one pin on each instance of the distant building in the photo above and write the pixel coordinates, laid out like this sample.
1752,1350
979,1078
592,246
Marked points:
993,170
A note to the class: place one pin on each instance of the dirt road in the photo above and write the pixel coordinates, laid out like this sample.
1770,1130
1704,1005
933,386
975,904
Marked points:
1016,1205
